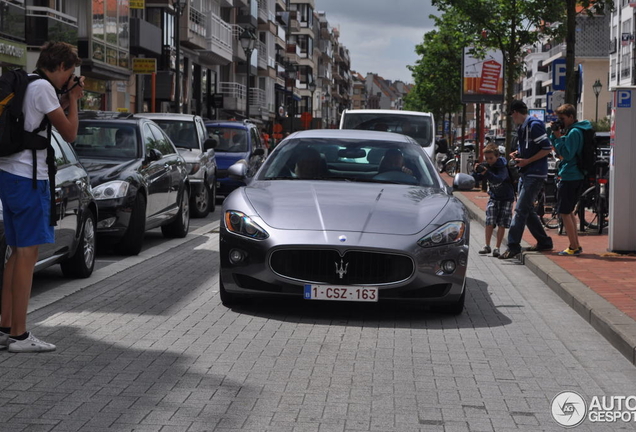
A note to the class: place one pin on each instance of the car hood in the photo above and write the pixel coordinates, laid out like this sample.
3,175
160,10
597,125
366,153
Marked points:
102,171
339,206
226,160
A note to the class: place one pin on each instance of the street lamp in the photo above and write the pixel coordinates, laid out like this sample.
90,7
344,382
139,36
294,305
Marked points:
312,88
248,41
291,77
597,86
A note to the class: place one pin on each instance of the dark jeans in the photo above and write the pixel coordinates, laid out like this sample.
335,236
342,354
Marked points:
529,188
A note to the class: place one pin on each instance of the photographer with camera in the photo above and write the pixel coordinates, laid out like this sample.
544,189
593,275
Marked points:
567,138
531,157
26,178
499,209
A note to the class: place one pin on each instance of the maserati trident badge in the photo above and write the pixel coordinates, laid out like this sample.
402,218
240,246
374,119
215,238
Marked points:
342,270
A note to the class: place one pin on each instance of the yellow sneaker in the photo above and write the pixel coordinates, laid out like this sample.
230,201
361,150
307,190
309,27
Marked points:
569,251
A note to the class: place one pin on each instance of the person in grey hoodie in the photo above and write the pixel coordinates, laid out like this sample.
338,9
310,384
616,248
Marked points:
567,139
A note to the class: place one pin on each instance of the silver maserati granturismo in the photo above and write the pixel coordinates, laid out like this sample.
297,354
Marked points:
345,215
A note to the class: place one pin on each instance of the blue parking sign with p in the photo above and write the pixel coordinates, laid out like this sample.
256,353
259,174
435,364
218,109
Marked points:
623,98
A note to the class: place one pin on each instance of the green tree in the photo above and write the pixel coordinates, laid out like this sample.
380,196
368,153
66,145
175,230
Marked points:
437,73
506,25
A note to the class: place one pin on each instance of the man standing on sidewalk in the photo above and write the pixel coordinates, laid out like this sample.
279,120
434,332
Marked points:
570,147
533,148
26,208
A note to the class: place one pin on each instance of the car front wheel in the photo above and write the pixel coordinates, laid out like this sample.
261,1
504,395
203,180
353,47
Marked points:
133,240
179,227
81,264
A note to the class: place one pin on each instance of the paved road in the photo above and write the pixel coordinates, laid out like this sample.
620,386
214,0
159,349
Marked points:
152,349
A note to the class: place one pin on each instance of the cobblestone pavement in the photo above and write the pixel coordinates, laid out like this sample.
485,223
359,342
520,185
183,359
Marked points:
152,349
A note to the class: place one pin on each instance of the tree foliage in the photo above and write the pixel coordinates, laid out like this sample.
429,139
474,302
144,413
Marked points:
437,74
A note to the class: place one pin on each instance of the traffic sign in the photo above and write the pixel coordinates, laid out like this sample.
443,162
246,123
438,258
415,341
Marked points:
558,74
144,65
623,99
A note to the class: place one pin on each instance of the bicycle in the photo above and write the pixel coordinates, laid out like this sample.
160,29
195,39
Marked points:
546,201
593,205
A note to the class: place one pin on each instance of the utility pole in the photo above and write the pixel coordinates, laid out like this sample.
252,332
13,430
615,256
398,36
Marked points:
177,43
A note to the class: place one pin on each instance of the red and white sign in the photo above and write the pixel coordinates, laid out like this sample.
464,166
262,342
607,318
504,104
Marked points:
490,75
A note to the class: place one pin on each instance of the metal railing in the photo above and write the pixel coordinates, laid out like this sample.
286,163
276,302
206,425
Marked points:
232,90
237,30
560,48
219,33
262,54
197,22
51,13
262,10
258,98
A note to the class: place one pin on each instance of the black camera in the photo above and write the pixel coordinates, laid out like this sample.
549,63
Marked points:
481,167
557,125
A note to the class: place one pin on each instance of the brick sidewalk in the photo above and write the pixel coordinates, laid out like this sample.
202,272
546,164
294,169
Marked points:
611,276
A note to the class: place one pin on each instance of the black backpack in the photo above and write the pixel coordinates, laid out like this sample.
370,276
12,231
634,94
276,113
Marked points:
587,158
13,137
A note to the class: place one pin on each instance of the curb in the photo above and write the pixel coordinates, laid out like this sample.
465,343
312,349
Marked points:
604,317
66,289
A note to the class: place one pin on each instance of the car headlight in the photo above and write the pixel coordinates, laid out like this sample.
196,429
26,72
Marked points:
240,224
193,168
450,232
111,190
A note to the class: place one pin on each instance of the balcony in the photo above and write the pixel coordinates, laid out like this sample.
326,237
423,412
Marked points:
558,50
44,24
145,38
227,3
293,52
262,11
294,25
237,50
218,41
281,4
233,95
258,101
262,54
13,21
197,30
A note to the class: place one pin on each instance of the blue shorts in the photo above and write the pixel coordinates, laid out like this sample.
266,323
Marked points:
26,211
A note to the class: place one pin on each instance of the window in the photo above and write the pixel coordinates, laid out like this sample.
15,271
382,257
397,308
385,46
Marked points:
306,46
162,142
66,149
111,32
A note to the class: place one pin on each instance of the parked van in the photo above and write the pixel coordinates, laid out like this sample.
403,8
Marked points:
418,125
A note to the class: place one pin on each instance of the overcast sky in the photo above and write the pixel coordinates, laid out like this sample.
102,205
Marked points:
380,35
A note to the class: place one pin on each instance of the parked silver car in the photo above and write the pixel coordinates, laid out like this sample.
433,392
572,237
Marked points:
189,135
345,215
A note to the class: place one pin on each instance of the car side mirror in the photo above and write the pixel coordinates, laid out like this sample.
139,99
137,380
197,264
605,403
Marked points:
258,152
449,189
209,144
238,171
154,155
463,182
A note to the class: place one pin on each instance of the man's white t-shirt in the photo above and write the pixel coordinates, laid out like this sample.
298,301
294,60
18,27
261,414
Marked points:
39,100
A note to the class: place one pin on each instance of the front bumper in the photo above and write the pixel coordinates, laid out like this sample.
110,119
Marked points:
427,283
114,216
226,185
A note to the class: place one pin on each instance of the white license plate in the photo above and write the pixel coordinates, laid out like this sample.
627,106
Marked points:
341,293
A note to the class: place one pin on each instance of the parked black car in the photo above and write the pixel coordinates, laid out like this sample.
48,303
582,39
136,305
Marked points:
139,179
76,213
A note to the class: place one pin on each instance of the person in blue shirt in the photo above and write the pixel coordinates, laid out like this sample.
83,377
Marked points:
502,196
531,158
568,140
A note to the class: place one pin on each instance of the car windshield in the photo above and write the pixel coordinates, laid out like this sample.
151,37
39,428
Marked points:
230,140
108,140
358,160
182,133
420,128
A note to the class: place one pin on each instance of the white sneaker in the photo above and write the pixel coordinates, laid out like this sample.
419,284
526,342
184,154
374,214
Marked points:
5,340
30,344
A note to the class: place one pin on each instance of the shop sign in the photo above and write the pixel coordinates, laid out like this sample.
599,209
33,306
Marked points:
144,65
121,86
94,85
137,4
122,110
12,52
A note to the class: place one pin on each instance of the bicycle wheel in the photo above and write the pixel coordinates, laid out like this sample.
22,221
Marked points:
451,168
586,209
601,214
551,221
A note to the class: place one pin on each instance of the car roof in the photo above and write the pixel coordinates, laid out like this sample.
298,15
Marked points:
104,115
166,116
229,123
351,134
392,112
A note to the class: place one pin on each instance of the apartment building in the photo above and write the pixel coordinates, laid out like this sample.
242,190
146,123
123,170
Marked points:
297,66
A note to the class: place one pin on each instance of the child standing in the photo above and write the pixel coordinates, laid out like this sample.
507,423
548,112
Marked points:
502,196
